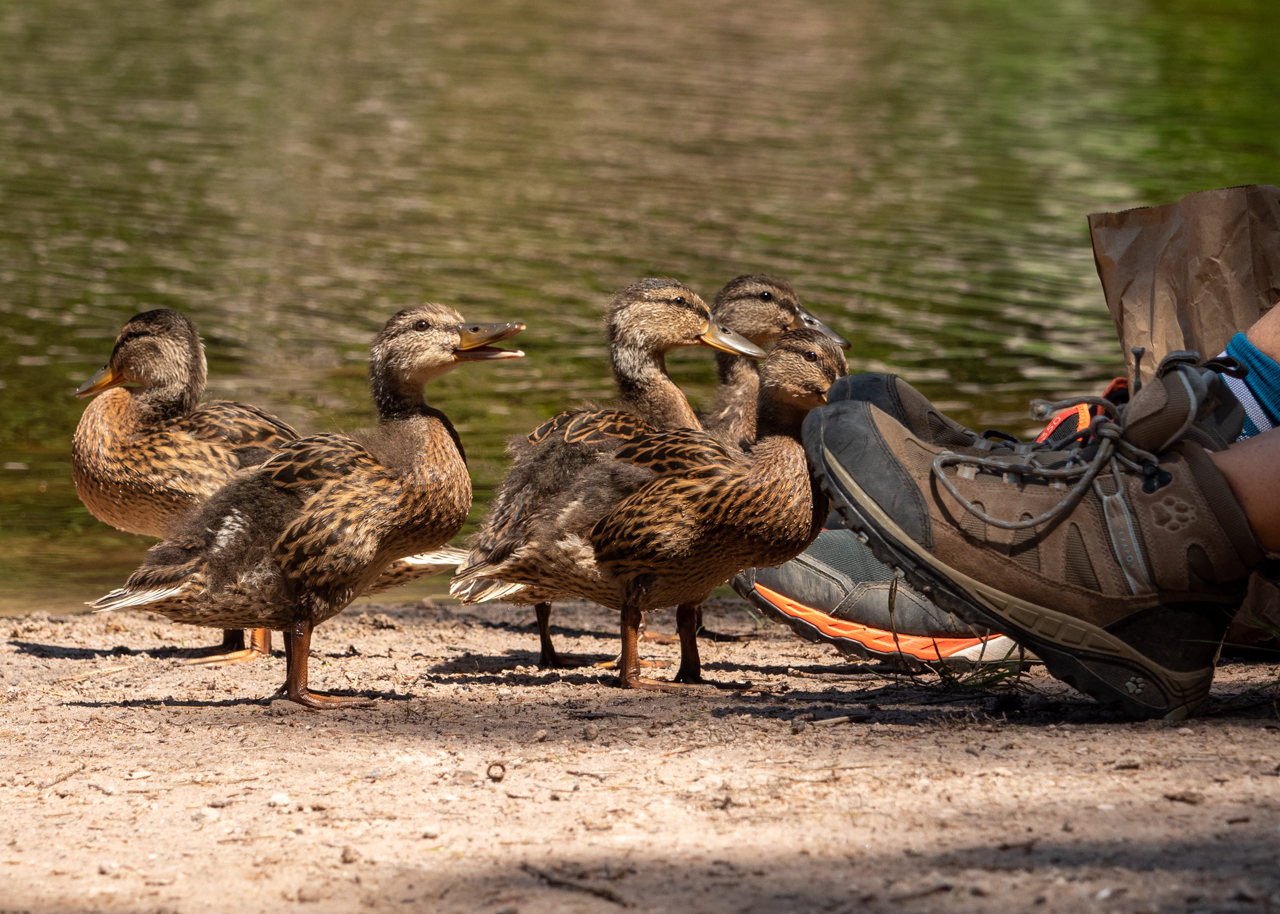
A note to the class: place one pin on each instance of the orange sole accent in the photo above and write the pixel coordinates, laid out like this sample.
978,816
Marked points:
921,647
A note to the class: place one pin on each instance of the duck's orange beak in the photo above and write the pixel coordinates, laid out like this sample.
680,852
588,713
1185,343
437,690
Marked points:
105,379
474,340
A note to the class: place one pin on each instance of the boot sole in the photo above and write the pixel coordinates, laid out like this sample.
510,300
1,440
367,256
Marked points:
867,643
1082,655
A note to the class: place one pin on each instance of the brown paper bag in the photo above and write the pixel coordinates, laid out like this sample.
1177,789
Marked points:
1191,274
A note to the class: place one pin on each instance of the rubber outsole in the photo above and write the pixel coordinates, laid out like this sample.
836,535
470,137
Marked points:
867,643
1084,656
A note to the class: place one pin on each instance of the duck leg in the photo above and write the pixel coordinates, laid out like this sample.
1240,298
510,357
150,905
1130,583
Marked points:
297,648
616,662
234,650
629,662
688,615
548,659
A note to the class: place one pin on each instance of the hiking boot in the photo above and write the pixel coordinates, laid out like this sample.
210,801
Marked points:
836,592
1118,560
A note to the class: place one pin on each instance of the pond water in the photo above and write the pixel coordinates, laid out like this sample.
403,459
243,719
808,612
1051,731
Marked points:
289,174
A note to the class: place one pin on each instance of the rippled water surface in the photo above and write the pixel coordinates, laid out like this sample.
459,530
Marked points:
289,174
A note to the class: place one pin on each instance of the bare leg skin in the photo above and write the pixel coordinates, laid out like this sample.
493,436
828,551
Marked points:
687,617
297,646
1265,334
234,650
1250,471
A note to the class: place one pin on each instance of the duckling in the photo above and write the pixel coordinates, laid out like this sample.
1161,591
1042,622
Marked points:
645,321
678,512
759,307
143,457
290,543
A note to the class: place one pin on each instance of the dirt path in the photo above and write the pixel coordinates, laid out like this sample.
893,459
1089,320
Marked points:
129,782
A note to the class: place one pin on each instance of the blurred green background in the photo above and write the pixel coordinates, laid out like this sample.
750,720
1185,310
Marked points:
289,174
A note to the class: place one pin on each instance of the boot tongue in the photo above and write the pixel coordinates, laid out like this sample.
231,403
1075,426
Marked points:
1183,400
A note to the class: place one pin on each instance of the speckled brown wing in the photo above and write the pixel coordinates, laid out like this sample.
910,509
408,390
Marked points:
236,423
677,452
590,427
358,516
344,487
693,470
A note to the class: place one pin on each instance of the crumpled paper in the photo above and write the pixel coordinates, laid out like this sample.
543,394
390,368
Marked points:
1190,274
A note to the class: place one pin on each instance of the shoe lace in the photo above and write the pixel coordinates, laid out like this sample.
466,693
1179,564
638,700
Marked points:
1103,435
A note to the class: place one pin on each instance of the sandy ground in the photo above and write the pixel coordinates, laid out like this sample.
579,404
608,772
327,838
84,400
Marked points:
131,782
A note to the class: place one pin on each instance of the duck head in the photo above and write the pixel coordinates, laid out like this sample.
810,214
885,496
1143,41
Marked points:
161,352
800,369
654,316
421,344
762,308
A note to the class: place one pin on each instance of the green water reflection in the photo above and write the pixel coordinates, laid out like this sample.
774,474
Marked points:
289,174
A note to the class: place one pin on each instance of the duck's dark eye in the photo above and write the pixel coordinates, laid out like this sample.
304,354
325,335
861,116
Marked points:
131,335
811,356
766,296
422,325
679,299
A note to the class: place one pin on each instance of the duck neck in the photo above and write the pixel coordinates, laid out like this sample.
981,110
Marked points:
645,388
169,395
396,398
737,371
775,418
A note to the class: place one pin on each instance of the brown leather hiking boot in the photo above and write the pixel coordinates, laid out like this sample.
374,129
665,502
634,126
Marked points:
1119,561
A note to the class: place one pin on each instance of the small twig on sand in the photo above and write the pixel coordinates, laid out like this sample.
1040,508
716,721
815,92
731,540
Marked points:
109,669
587,774
45,785
557,882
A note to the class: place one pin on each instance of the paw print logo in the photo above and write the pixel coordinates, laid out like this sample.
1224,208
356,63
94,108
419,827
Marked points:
1172,514
1135,685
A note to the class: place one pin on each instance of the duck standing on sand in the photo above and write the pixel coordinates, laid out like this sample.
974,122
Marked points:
678,512
761,308
291,543
144,457
645,321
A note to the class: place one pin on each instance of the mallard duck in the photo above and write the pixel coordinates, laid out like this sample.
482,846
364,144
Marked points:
292,542
143,457
759,307
644,322
678,512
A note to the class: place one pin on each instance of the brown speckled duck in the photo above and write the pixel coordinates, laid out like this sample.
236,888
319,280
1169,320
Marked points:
678,512
644,322
291,543
759,307
143,457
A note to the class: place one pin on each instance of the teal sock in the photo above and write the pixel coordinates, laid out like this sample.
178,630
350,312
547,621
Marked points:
1259,391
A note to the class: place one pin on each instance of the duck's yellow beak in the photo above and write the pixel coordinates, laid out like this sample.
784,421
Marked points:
804,319
726,340
474,340
105,379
